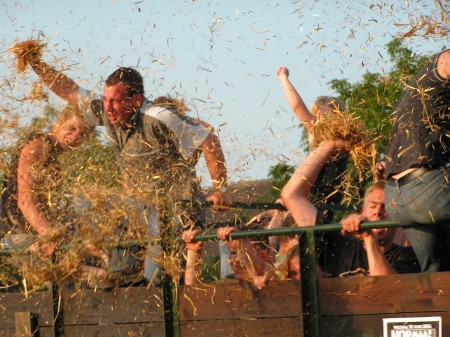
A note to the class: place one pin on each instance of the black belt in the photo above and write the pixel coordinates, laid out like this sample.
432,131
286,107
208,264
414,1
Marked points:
412,175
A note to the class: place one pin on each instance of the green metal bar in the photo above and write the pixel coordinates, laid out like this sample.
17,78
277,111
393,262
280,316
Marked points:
169,287
308,285
236,235
295,230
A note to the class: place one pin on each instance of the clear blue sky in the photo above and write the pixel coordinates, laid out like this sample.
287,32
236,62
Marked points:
222,56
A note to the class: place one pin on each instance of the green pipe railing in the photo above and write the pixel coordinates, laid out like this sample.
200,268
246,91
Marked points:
294,230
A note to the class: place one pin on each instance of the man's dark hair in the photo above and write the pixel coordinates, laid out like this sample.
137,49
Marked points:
131,77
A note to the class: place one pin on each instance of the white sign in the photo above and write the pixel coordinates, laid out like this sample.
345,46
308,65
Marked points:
412,327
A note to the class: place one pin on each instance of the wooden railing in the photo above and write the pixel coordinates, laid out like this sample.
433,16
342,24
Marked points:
347,307
324,307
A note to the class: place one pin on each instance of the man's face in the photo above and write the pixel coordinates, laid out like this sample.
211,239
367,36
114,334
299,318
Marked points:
119,107
374,210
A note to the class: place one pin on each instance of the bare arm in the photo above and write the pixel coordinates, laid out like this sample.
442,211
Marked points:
55,80
443,64
255,266
295,193
26,201
295,101
378,265
27,204
215,160
193,259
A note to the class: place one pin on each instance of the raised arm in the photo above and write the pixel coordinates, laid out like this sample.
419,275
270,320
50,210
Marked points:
295,101
28,53
295,193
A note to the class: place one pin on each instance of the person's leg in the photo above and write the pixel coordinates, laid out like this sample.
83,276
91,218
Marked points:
445,265
423,203
226,271
152,269
425,243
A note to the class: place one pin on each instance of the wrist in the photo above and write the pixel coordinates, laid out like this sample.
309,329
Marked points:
43,230
367,236
219,189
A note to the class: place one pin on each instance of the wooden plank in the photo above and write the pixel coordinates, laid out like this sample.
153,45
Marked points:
116,330
385,294
122,305
239,300
370,325
280,327
43,332
37,303
25,324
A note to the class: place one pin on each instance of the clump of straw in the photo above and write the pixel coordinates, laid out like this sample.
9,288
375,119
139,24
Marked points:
25,52
341,125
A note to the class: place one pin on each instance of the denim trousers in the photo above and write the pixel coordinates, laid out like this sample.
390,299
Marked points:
226,270
152,268
127,259
424,204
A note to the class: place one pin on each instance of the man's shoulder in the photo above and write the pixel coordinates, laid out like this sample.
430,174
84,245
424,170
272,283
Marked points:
163,113
173,119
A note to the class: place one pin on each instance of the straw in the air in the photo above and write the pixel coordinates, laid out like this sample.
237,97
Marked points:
26,51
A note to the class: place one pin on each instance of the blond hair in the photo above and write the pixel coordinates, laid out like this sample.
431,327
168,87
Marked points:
379,185
68,112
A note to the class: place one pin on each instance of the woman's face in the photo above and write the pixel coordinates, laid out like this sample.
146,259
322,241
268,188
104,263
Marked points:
71,133
294,268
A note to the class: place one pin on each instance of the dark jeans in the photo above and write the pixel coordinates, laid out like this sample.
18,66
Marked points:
425,204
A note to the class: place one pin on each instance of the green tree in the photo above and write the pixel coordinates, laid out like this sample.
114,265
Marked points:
374,97
91,164
280,174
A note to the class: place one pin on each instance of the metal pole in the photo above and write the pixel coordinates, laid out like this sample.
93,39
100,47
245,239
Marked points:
294,230
236,235
308,285
169,287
